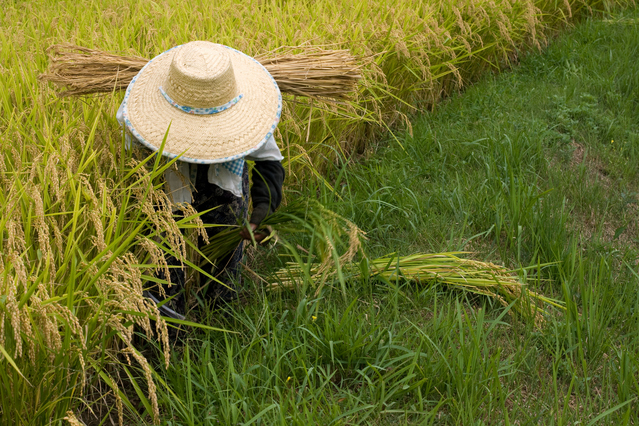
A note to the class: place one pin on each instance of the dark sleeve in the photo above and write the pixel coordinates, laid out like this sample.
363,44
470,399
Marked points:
266,192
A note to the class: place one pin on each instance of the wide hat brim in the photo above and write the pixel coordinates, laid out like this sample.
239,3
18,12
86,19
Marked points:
206,139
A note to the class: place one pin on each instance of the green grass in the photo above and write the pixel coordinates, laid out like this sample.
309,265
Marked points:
521,169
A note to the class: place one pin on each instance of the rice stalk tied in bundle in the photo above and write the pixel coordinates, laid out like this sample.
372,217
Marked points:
331,259
312,72
334,239
483,278
315,72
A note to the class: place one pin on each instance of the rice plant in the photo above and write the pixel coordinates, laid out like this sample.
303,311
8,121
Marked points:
83,226
421,51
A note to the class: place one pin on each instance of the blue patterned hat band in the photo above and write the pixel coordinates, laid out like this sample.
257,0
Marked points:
201,111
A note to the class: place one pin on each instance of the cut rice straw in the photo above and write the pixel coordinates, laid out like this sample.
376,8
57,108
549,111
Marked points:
473,276
333,262
311,72
332,234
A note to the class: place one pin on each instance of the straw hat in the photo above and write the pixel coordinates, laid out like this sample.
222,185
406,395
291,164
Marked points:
220,104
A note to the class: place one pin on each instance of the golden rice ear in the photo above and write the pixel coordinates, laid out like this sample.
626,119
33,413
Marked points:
72,419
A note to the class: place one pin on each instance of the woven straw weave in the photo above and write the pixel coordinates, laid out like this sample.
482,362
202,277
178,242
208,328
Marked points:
205,75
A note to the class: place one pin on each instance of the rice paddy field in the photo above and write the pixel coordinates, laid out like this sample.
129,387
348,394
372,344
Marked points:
531,172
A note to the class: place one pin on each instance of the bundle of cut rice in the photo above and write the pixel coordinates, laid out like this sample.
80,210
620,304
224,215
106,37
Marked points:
449,269
302,71
332,258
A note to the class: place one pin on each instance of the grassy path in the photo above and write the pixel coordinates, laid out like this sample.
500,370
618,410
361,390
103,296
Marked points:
530,167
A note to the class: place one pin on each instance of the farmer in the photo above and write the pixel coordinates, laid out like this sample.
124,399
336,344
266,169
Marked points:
218,108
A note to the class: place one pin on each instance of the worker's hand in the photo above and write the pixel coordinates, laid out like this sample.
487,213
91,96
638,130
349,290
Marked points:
259,236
